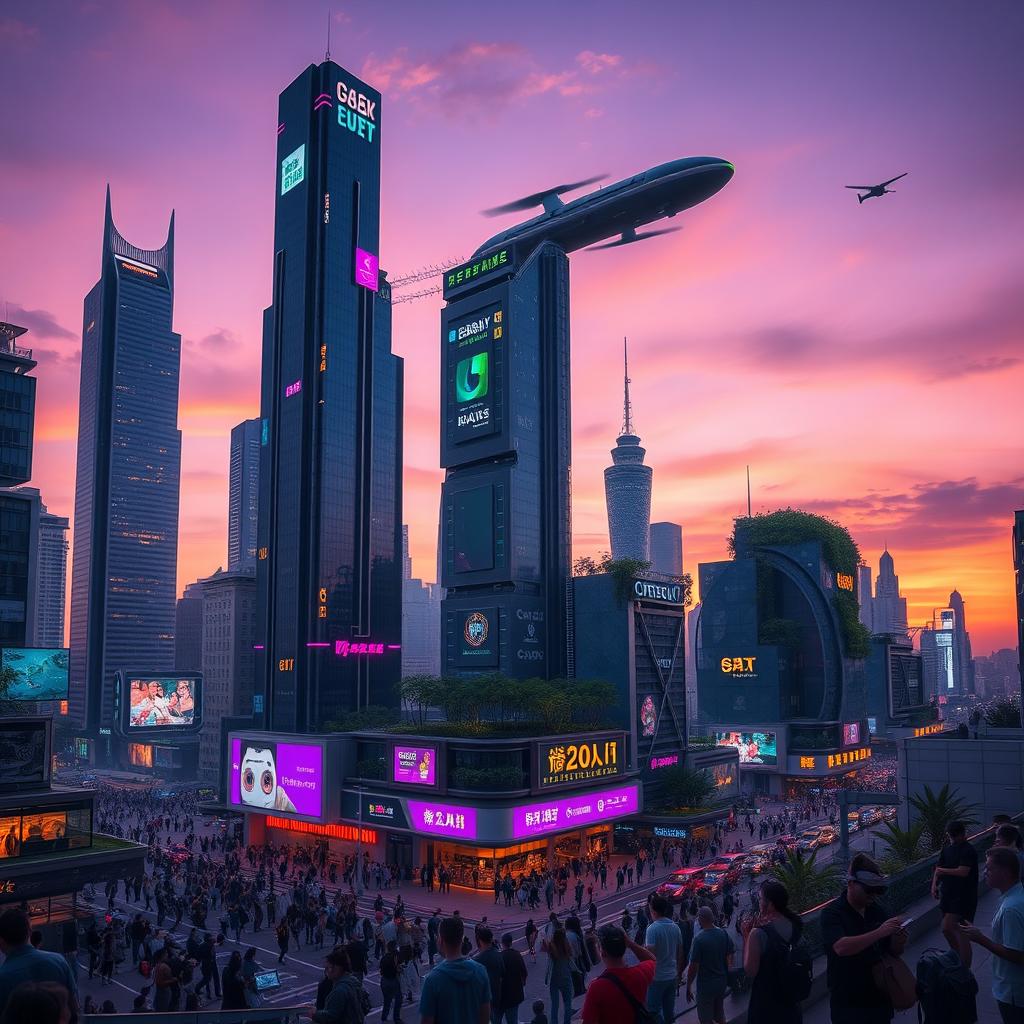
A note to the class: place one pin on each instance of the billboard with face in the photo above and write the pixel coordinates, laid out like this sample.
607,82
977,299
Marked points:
163,703
753,747
276,777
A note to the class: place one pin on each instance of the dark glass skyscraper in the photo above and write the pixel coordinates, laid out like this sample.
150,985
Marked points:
17,407
667,548
243,494
1017,539
329,552
627,487
129,465
506,446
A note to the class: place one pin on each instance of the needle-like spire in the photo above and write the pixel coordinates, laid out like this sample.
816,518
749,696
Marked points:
627,408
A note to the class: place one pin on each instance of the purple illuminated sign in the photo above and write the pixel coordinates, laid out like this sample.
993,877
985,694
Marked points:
552,815
343,648
442,819
366,269
293,389
277,778
668,761
417,765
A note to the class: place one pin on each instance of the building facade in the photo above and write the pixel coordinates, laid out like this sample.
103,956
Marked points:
329,550
51,579
946,653
20,509
188,629
421,629
506,448
997,674
896,693
17,407
123,578
667,549
627,489
1017,541
243,494
228,608
888,608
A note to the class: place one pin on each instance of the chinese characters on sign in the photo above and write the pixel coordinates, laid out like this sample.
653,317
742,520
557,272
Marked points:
293,389
576,762
585,809
848,757
293,169
844,581
366,269
443,819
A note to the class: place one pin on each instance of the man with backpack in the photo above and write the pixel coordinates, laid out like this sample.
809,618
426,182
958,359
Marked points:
710,960
619,994
347,1002
856,934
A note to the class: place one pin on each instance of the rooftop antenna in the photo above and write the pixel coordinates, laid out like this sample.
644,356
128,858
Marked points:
627,408
327,54
749,512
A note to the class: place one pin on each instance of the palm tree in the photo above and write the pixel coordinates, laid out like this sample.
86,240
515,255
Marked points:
936,810
807,883
904,844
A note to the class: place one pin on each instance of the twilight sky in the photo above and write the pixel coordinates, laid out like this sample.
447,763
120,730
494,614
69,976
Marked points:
865,360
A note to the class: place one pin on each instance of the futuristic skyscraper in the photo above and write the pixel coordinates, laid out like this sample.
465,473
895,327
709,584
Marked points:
627,486
329,549
124,570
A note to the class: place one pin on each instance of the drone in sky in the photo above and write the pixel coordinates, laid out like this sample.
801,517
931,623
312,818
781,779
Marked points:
876,191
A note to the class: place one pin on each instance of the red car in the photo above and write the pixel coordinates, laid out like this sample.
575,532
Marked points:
179,853
719,872
681,884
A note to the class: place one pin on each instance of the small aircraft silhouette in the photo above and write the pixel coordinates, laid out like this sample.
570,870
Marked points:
874,191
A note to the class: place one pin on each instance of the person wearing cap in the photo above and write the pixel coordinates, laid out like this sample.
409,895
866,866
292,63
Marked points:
856,932
345,1002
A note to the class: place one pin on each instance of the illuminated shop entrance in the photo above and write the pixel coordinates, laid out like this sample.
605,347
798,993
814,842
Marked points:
475,866
596,842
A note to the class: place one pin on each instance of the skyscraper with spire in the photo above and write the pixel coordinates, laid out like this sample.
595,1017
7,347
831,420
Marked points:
627,486
888,609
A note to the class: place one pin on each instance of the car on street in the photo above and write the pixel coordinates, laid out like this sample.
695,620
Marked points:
827,834
810,839
870,816
681,884
719,873
757,863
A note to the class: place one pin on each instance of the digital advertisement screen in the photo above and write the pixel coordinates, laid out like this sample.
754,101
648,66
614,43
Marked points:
579,761
648,716
293,169
443,819
538,817
753,747
23,753
276,777
851,734
164,702
415,765
40,673
472,341
478,639
473,529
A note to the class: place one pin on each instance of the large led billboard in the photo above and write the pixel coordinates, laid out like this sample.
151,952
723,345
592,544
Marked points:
415,764
753,747
170,704
275,777
542,816
472,347
24,753
40,673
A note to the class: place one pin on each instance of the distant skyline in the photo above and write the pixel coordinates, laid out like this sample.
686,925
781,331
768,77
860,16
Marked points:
863,359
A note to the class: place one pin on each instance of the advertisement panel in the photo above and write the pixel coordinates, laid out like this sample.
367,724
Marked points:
528,635
24,753
40,673
442,819
753,747
541,816
579,760
415,765
472,342
372,807
478,638
164,703
851,734
272,776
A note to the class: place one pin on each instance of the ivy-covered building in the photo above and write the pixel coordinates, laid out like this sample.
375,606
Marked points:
780,666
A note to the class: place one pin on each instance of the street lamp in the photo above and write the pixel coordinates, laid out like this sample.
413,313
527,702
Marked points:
359,842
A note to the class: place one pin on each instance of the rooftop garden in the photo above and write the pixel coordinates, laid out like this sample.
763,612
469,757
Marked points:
488,706
625,570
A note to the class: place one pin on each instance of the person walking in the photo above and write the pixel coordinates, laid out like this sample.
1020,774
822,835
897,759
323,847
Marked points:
621,991
491,960
390,986
559,974
855,932
513,981
531,939
955,885
768,936
281,931
664,940
1002,873
233,984
710,960
456,991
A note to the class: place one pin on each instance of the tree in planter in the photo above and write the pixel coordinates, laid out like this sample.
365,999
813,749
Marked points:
936,810
904,845
807,882
685,787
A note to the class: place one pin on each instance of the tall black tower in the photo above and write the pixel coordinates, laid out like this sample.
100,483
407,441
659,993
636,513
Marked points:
329,551
506,446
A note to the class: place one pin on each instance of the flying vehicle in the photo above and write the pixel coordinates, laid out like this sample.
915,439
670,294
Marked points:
875,191
619,209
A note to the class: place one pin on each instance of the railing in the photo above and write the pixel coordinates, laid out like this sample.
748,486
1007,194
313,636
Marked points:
265,1015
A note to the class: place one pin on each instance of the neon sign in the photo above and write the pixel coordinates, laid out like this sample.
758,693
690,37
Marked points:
443,819
360,115
575,762
343,648
844,581
366,269
293,389
486,265
668,761
549,816
293,169
848,757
